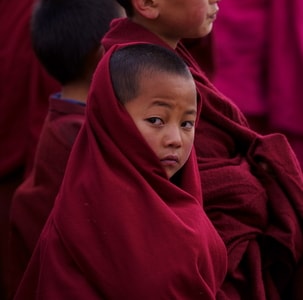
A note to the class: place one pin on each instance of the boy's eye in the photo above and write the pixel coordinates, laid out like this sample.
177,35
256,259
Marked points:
188,124
155,121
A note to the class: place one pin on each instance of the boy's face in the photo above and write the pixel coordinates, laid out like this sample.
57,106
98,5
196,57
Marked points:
165,112
177,19
188,18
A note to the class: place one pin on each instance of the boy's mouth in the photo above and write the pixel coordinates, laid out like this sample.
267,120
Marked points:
170,160
213,15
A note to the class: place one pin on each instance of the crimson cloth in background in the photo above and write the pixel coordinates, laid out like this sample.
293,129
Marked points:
239,195
202,51
258,53
24,90
120,229
240,36
35,197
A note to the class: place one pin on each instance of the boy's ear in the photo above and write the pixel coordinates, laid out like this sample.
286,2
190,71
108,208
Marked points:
147,8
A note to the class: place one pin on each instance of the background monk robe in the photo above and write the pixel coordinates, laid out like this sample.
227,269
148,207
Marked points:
34,199
258,57
24,90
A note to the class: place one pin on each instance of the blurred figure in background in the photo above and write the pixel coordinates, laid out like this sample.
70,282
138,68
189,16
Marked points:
24,90
66,37
258,46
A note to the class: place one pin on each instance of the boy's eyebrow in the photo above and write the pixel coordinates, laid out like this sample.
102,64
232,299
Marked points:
161,103
191,112
168,105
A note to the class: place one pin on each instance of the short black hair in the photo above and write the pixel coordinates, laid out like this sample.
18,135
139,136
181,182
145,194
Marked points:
64,33
128,65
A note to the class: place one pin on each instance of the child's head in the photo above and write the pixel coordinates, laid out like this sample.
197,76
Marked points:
158,91
173,20
66,35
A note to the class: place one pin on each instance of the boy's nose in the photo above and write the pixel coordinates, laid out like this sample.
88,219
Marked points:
173,138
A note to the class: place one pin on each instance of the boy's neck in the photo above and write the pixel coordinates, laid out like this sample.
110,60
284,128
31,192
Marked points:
76,91
152,26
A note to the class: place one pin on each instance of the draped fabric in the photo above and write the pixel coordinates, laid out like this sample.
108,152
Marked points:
252,187
34,198
257,210
119,228
202,51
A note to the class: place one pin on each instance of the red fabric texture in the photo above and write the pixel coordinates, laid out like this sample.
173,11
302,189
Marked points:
35,197
202,51
245,179
120,229
24,90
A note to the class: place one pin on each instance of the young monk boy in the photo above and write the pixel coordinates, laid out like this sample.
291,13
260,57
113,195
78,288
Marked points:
67,42
252,185
128,221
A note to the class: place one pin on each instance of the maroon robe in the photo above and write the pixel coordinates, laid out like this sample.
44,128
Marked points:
24,90
35,197
202,51
247,181
120,229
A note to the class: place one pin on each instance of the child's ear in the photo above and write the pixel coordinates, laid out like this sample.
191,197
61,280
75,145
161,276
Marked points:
147,8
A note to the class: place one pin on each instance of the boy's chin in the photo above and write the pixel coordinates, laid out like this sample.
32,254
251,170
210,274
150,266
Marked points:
207,30
202,32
